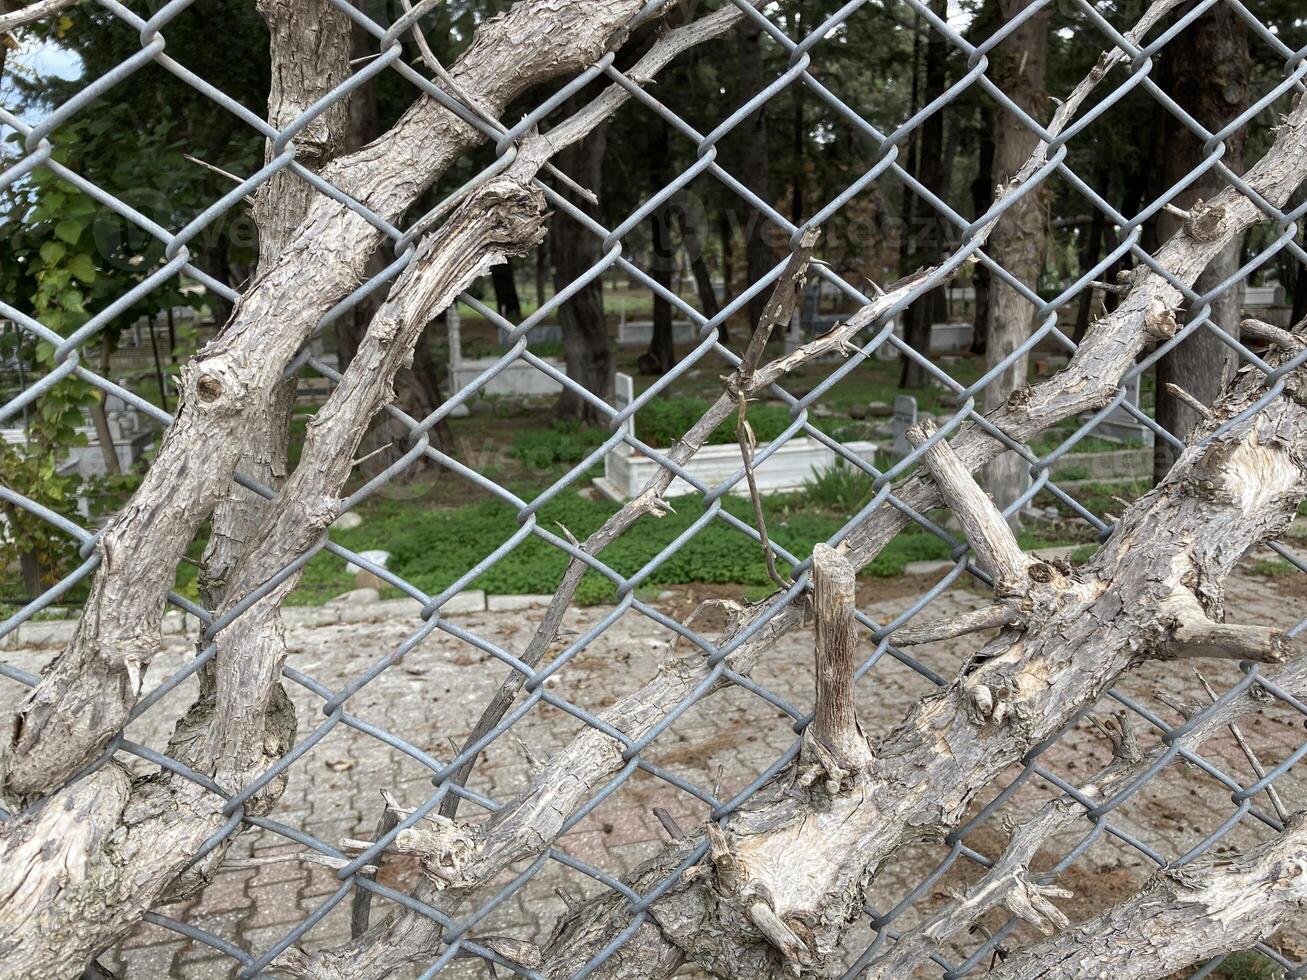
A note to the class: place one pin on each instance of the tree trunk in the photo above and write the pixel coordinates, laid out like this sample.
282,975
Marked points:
417,387
505,285
927,233
799,132
99,417
1208,66
1089,256
754,166
1018,241
541,273
661,356
726,235
694,255
982,193
587,348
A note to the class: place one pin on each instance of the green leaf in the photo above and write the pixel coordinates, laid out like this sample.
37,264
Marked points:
52,252
82,267
81,205
70,229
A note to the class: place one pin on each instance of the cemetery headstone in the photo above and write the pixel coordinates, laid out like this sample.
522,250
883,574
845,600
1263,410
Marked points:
1120,424
905,417
623,396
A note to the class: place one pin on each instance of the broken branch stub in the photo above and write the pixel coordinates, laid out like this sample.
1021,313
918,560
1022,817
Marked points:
834,743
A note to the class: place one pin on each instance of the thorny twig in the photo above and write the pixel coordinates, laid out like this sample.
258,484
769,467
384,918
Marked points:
1256,763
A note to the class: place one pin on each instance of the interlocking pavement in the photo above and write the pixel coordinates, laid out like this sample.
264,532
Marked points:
434,695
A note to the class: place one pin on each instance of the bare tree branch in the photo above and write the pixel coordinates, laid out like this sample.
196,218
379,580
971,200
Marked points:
32,13
835,738
1193,634
85,696
983,524
993,616
1184,915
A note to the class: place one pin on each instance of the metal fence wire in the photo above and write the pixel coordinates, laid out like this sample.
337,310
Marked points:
434,748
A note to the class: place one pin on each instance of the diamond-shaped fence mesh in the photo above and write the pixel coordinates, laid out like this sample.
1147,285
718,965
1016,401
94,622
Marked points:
392,702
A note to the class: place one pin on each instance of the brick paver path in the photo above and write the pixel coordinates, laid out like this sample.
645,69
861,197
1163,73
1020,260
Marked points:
435,694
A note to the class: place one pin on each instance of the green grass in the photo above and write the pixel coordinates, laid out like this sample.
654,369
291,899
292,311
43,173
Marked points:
1272,567
562,442
1248,965
433,548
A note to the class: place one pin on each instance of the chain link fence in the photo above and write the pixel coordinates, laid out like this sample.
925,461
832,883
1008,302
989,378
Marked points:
434,748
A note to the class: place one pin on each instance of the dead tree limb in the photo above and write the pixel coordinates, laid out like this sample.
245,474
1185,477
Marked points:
997,692
174,815
995,615
31,13
1021,690
982,522
1182,916
834,744
809,851
85,695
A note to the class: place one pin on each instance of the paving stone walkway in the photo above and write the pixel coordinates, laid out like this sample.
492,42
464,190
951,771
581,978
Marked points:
433,696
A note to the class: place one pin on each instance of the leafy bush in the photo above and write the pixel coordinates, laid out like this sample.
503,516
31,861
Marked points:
841,488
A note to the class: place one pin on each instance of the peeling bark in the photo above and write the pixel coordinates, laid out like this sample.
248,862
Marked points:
785,875
86,693
243,721
1182,916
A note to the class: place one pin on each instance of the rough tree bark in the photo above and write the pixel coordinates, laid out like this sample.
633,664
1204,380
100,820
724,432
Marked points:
1208,66
310,52
1075,635
1021,67
534,819
115,846
785,874
87,693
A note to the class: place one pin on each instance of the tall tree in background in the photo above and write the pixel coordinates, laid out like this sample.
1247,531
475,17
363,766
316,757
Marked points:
587,350
923,231
1206,73
982,193
754,169
661,356
504,283
688,216
1019,240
